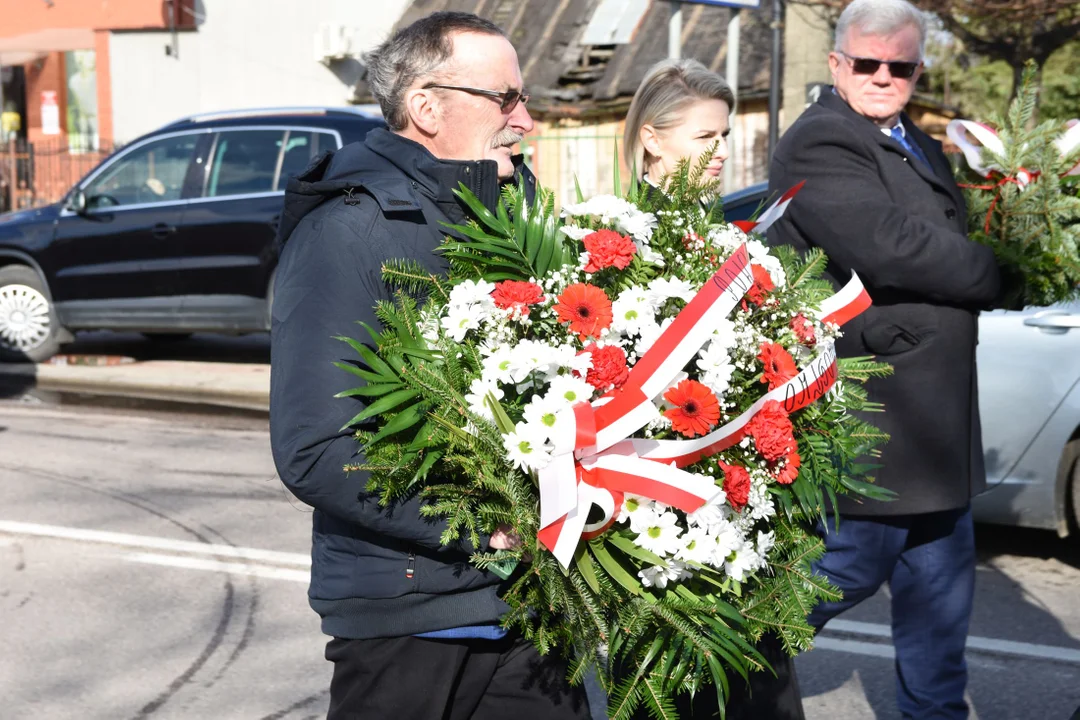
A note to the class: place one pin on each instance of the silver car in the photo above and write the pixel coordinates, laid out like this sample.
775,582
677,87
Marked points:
1029,397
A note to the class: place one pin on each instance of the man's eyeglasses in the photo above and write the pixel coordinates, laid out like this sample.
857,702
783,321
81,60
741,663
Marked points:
902,69
507,100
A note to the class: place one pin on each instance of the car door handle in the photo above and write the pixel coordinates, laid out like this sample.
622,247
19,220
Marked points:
162,230
1054,321
275,222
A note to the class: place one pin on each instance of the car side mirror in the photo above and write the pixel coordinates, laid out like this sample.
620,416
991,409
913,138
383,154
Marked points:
77,202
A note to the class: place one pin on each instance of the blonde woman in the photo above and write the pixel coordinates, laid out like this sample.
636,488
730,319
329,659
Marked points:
680,111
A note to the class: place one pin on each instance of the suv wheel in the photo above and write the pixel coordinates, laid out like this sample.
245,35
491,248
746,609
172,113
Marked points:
28,326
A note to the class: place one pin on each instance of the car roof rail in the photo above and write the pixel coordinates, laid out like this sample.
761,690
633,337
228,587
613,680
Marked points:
365,111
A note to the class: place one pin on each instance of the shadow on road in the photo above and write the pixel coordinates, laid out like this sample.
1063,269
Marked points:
254,348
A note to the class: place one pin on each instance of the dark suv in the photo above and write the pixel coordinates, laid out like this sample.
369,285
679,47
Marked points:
170,235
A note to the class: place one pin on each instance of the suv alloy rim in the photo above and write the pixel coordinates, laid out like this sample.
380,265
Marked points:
24,317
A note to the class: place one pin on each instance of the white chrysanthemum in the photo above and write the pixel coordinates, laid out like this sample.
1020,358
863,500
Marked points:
636,224
526,447
711,514
716,368
458,321
650,334
639,511
543,413
765,542
570,389
661,536
662,288
604,207
727,538
478,391
759,254
742,560
724,335
575,232
760,502
660,575
530,356
632,310
472,292
497,365
649,255
697,546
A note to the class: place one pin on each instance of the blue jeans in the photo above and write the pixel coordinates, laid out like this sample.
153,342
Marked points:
929,562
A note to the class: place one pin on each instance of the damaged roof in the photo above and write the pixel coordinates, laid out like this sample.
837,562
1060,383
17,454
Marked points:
567,77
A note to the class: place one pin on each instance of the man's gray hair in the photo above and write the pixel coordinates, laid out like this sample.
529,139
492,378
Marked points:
414,52
880,17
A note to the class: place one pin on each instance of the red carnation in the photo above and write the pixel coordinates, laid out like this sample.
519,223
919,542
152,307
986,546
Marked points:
779,365
586,308
608,248
772,431
763,285
736,485
786,475
608,367
804,330
517,294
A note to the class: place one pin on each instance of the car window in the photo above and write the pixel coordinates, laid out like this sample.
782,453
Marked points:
153,172
244,162
300,147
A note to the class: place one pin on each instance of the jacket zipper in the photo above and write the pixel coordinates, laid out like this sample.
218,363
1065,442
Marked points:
410,570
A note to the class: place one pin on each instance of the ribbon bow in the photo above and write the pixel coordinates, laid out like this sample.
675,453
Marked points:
594,463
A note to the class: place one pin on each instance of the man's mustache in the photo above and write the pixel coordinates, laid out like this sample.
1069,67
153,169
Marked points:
506,138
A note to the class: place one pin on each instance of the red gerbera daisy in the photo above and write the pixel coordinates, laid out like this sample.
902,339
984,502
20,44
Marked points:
763,285
519,294
696,408
586,308
779,365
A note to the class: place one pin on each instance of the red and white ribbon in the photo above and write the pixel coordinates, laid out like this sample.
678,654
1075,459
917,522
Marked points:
593,463
965,133
765,220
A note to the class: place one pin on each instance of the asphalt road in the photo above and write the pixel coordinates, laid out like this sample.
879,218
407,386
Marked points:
152,566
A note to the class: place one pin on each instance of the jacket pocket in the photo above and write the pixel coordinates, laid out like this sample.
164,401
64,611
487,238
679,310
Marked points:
898,329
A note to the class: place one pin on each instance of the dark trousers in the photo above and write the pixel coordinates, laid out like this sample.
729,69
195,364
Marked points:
929,562
765,697
420,679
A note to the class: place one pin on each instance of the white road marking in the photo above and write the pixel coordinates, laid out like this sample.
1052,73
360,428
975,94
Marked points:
990,645
189,563
855,647
145,542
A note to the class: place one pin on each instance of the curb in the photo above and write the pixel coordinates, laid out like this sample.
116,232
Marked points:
224,385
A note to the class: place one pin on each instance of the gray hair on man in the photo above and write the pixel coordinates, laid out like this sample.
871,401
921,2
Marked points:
880,17
416,51
667,89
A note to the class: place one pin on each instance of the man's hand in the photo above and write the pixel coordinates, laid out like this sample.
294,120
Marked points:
504,538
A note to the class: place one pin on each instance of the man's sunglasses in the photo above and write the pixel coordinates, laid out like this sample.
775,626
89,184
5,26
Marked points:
868,66
507,100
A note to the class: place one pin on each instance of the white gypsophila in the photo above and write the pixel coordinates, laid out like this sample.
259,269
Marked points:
478,391
570,390
726,237
543,413
658,423
526,447
640,512
459,320
697,546
575,233
712,513
661,289
632,310
661,536
742,560
660,575
637,224
497,366
472,292
760,502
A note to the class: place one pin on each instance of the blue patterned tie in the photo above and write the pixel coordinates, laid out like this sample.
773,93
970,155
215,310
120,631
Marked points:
898,135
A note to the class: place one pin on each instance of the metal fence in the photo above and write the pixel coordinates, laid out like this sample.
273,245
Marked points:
40,173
